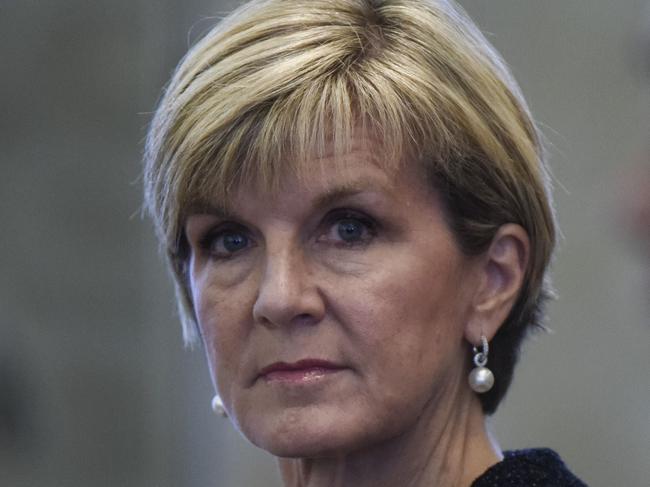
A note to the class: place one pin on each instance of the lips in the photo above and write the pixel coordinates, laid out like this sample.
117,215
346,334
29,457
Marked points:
302,371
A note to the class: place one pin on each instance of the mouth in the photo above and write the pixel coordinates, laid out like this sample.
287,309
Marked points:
300,372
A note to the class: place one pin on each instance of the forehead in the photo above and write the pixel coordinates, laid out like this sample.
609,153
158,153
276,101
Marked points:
321,181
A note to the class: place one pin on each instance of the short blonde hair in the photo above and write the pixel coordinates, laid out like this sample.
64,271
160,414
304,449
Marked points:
278,82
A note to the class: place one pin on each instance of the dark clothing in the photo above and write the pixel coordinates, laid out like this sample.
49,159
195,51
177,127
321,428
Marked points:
539,467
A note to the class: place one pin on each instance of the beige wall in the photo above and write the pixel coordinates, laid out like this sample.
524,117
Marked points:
95,388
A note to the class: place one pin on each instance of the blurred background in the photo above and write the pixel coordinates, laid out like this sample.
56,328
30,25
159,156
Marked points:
96,388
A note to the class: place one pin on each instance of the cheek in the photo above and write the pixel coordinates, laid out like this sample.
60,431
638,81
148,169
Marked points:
222,318
407,297
218,299
405,320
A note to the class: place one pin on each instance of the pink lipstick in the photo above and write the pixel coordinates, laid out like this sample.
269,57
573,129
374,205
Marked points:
302,371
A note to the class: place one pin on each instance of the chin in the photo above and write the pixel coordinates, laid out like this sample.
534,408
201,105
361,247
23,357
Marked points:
306,432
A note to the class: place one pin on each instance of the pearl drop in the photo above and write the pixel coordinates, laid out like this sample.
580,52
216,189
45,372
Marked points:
481,379
217,406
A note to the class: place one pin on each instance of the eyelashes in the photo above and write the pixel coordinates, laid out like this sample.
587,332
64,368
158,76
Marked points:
340,228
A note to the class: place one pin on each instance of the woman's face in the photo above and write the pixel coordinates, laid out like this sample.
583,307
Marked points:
332,311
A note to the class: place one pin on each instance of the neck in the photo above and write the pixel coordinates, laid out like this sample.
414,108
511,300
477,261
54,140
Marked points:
448,446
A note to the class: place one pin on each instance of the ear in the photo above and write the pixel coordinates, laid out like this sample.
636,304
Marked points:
501,275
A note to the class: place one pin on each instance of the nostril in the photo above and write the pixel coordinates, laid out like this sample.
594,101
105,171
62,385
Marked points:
305,318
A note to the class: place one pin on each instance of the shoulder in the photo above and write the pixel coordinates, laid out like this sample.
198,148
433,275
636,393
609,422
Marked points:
540,467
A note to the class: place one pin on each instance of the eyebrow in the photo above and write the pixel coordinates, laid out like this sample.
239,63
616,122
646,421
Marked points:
339,192
328,198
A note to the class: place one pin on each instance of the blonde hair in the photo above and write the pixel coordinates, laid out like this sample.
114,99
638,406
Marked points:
279,82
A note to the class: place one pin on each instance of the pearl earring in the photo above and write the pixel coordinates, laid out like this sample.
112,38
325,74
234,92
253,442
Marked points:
481,379
217,406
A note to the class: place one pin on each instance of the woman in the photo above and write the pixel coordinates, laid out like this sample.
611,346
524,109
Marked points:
354,202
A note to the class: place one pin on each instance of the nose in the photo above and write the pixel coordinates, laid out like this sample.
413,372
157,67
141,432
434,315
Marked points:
288,293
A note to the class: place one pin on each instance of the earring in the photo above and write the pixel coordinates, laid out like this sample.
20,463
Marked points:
217,406
481,379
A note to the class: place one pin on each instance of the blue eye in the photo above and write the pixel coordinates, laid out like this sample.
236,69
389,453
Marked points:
351,230
234,241
225,243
